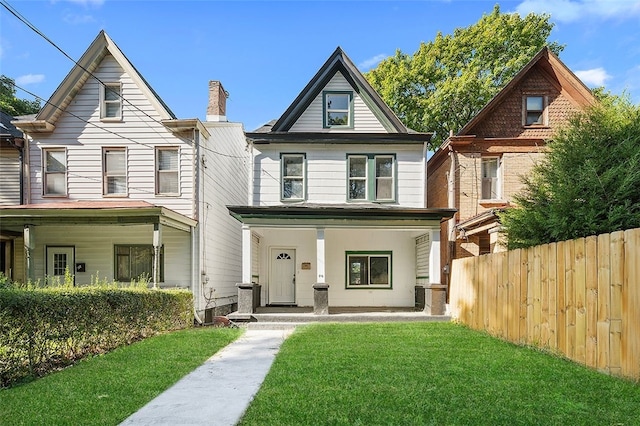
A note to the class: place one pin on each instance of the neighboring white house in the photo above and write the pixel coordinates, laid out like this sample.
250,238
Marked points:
118,187
339,193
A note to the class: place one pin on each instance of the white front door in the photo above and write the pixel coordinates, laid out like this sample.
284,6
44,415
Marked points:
282,282
59,259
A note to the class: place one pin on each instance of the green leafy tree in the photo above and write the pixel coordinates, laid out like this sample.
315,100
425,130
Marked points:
12,105
447,81
589,182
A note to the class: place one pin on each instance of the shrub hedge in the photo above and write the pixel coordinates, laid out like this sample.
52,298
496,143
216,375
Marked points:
45,329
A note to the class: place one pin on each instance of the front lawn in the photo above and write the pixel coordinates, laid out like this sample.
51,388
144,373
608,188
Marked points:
106,389
431,373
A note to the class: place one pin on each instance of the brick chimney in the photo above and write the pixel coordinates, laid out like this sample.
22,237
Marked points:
217,108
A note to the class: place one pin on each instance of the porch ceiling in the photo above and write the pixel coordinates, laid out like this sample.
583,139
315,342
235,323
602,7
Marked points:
356,215
93,213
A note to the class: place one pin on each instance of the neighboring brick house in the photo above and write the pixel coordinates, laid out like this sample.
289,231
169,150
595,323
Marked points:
479,170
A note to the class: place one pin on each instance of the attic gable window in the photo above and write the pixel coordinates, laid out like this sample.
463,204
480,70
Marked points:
338,109
534,111
111,101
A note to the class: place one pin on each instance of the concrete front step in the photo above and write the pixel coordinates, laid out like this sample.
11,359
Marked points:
304,318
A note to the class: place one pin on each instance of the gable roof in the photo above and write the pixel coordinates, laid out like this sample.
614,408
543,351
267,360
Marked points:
46,119
554,68
339,62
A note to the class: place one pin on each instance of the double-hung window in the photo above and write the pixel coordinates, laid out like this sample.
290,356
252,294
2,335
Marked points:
54,171
167,171
114,171
491,178
338,109
111,101
371,177
292,177
134,262
368,270
534,111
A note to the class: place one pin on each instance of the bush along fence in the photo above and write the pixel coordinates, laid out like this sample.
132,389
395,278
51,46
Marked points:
578,298
45,329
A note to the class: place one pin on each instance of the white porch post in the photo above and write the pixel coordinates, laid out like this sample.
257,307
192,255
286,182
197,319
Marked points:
320,268
157,244
29,249
320,288
246,254
434,257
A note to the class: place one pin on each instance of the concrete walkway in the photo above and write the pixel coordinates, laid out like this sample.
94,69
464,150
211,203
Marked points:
218,392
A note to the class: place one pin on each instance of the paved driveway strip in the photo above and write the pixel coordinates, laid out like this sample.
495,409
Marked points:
219,391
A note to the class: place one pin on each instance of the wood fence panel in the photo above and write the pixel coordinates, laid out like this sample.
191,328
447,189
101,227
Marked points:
570,294
543,273
552,265
506,286
591,311
524,273
580,300
617,280
499,310
477,314
513,332
562,304
604,301
631,304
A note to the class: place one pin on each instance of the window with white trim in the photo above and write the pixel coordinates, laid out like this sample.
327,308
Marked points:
167,171
490,178
54,171
338,109
534,107
111,101
114,171
368,270
371,177
292,176
135,262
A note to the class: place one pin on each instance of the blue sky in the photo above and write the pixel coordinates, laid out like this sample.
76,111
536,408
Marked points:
264,52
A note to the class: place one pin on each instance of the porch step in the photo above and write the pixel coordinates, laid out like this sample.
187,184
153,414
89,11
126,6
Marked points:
282,319
272,325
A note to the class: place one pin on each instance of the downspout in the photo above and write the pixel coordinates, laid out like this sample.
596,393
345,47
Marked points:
195,231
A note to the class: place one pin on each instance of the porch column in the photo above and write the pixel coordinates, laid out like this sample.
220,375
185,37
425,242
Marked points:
436,297
434,257
321,288
246,254
29,250
157,244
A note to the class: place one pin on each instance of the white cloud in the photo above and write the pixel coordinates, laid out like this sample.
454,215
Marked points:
593,77
572,10
96,3
23,80
369,63
72,18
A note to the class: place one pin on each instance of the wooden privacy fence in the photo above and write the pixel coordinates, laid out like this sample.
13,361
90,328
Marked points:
579,298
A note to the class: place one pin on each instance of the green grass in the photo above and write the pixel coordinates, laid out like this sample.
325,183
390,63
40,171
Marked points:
431,374
106,389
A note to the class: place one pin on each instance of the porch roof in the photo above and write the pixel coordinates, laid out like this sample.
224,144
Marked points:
341,215
93,213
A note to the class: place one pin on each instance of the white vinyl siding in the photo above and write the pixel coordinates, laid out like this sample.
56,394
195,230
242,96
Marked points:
9,176
141,133
327,176
364,121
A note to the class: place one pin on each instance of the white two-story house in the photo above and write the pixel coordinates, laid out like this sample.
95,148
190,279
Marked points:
339,196
118,188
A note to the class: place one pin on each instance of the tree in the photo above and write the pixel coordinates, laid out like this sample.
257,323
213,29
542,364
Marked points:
12,105
589,182
447,81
